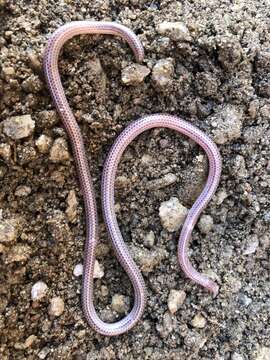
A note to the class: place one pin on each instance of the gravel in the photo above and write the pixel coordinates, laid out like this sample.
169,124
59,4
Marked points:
172,214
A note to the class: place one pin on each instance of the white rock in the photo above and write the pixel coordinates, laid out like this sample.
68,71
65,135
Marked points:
5,151
39,290
56,307
175,30
78,270
43,143
149,239
251,246
237,356
19,127
175,300
198,321
98,270
22,191
172,214
205,224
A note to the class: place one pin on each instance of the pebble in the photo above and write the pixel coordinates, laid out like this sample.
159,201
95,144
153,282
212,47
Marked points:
175,300
226,124
98,270
78,270
43,353
56,307
205,224
176,31
134,74
72,204
38,291
22,191
5,151
30,341
198,321
8,232
59,151
221,196
120,303
32,84
8,72
148,259
18,253
162,72
263,353
237,356
244,300
172,214
19,127
166,180
149,239
43,143
251,246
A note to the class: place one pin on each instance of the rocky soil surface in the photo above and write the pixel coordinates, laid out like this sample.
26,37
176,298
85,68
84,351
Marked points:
207,61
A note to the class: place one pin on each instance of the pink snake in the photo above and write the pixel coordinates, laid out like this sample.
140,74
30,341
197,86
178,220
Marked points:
50,63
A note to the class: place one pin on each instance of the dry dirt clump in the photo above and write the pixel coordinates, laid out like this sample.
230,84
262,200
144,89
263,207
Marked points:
207,61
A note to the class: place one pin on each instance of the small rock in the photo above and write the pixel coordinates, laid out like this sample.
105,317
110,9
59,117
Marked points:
22,191
251,246
32,84
72,203
172,214
59,151
120,304
134,74
176,300
8,72
78,270
43,143
149,239
5,151
237,356
148,259
226,124
30,341
18,253
162,72
205,224
8,232
177,31
43,353
221,196
56,307
198,321
263,353
19,127
38,291
239,167
98,270
244,300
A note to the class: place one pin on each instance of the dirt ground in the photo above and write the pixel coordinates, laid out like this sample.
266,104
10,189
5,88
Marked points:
213,70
